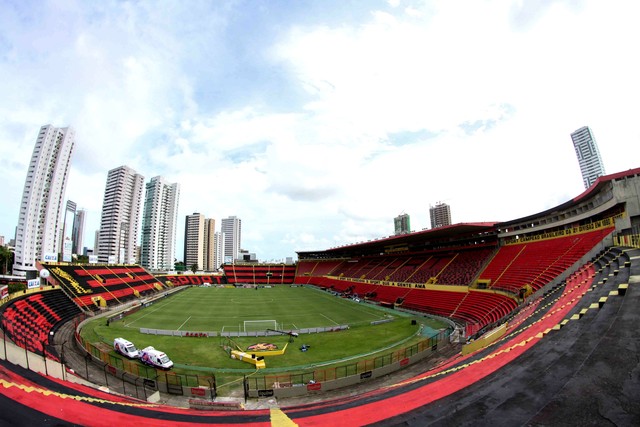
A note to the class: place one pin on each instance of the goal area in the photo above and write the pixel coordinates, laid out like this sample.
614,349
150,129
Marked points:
259,325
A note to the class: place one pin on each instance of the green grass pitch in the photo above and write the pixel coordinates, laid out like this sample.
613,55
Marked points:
214,309
211,309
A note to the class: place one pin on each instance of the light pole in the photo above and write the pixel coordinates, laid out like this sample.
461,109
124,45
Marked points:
62,359
212,387
26,352
4,340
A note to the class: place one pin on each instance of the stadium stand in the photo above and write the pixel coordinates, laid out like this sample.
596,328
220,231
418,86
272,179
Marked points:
94,286
506,271
190,279
538,262
306,269
446,267
260,274
29,321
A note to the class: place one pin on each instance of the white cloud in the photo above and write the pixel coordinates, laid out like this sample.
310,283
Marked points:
318,130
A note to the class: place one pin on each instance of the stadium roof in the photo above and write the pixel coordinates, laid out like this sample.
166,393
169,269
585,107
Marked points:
594,189
462,230
604,179
449,232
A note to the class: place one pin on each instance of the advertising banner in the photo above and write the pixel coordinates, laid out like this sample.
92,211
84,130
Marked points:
66,250
34,283
51,257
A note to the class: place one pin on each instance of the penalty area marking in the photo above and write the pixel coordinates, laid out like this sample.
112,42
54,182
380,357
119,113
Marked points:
160,307
329,319
183,323
236,301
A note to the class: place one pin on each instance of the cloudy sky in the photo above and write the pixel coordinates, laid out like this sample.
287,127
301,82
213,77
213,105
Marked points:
318,122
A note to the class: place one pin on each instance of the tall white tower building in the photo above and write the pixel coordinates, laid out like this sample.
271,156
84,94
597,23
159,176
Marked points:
194,241
120,220
591,165
39,227
159,223
218,243
77,235
232,229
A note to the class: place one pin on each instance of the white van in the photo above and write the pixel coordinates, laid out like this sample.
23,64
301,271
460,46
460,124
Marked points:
126,348
155,358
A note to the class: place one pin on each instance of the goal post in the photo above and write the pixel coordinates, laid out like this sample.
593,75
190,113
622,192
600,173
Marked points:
259,325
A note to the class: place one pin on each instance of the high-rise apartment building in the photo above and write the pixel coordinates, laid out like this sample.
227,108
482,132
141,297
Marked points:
120,220
39,227
440,215
159,223
209,244
218,243
194,241
77,234
232,229
402,224
591,165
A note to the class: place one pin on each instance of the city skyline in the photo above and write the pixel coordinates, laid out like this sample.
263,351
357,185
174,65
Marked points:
317,122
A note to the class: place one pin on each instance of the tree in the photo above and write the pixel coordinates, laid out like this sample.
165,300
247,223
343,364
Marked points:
16,287
194,268
6,259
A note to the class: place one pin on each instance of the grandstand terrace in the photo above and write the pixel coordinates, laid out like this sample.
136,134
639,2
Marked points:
477,282
31,320
259,274
190,279
95,286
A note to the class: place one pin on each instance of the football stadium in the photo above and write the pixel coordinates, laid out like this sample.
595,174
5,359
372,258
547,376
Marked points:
532,321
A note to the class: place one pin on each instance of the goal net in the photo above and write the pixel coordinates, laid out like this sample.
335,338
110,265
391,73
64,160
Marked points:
260,325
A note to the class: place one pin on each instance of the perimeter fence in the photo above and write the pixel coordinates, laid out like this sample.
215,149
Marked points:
311,376
213,381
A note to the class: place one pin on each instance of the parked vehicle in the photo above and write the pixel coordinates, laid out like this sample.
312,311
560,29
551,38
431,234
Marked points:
155,358
126,348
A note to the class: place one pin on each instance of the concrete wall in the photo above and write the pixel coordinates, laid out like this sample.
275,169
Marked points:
34,362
